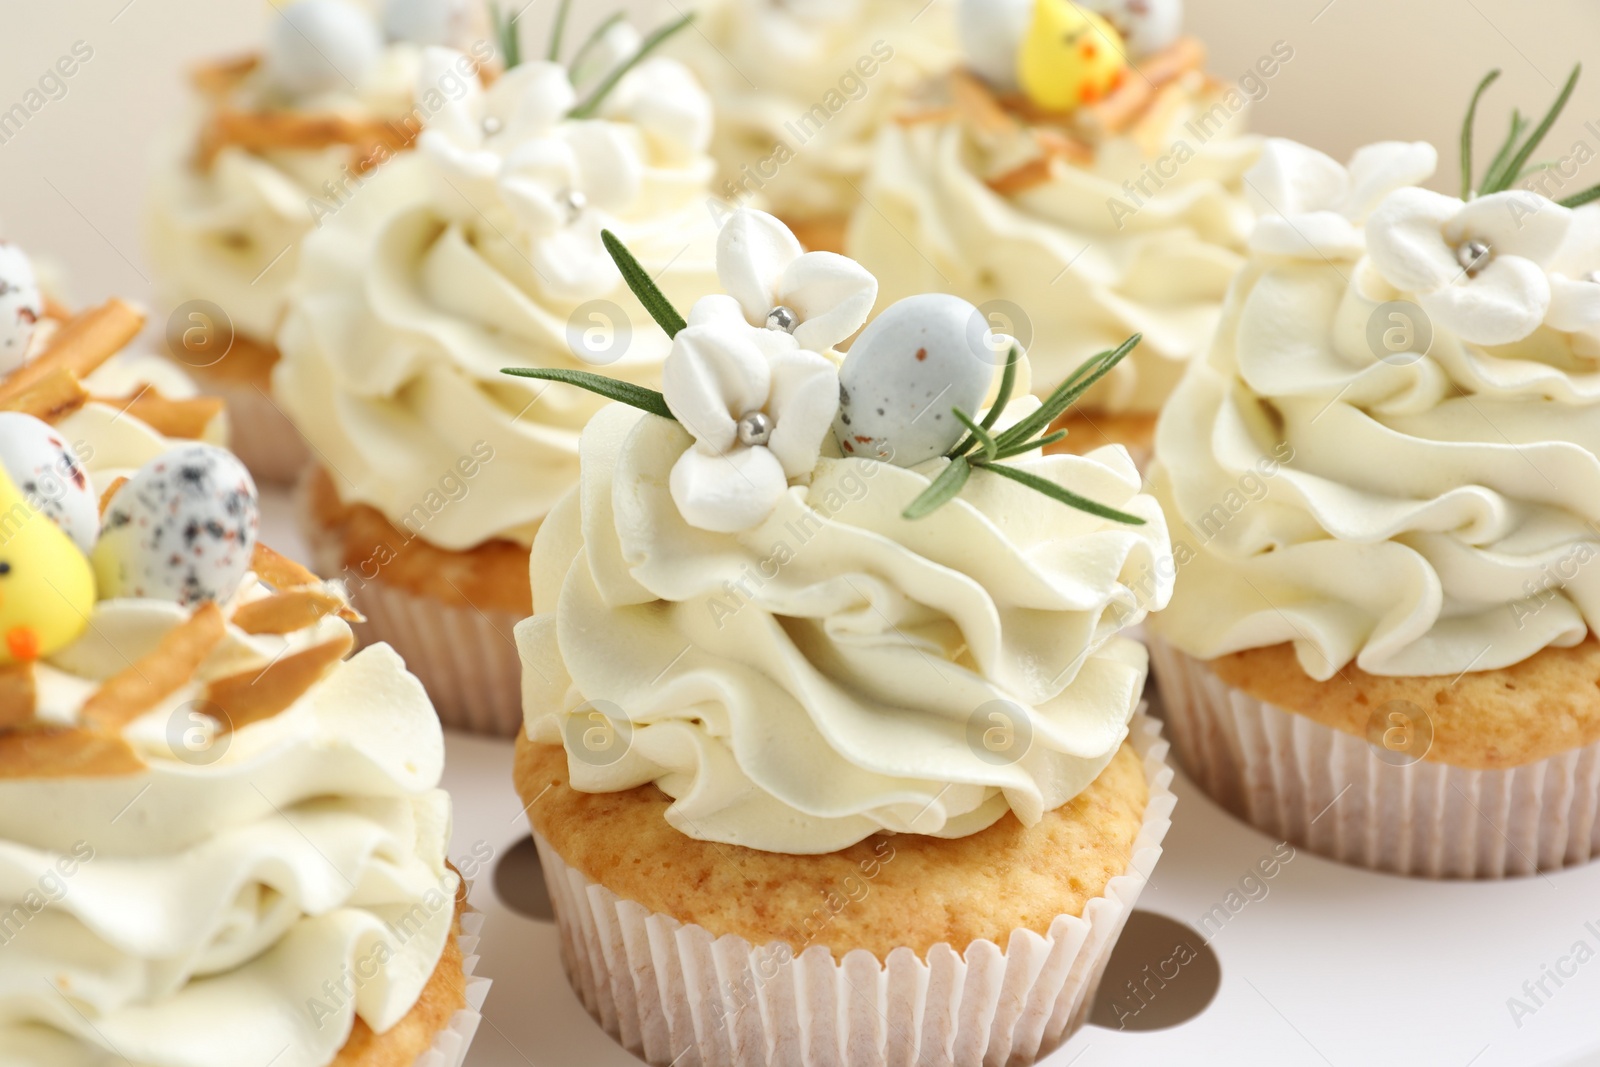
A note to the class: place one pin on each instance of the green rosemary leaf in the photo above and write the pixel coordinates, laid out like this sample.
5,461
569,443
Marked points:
1065,496
1008,379
1491,177
944,489
626,392
1029,446
593,41
643,286
1466,134
990,449
505,32
1518,161
591,105
558,31
1586,197
1067,393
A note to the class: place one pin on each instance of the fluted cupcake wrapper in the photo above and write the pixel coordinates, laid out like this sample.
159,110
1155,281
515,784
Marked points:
1328,791
676,996
451,1044
260,434
466,658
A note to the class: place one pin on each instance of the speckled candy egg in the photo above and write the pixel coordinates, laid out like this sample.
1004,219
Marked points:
319,46
21,306
992,33
446,23
1146,25
42,464
905,372
182,529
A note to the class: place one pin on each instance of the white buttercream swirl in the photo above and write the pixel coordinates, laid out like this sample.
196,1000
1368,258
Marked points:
444,270
819,78
828,674
1436,507
1143,239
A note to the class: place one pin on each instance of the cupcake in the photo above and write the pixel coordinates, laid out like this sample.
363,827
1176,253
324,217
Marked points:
1382,482
802,89
483,249
1079,178
220,839
833,746
276,144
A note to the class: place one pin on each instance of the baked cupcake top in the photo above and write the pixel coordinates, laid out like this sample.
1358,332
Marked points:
1077,192
802,87
1390,454
480,250
279,140
811,604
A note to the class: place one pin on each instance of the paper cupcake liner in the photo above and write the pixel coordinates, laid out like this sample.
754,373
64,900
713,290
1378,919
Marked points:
675,996
1328,791
465,657
260,434
451,1044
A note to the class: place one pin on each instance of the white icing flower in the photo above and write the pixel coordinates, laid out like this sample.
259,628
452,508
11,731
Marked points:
762,265
1478,269
1575,282
759,407
513,153
1311,207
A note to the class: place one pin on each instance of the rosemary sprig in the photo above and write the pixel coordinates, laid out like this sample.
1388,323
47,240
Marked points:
1498,163
643,286
1466,133
632,395
590,105
1588,196
1020,439
593,41
505,32
1520,159
558,31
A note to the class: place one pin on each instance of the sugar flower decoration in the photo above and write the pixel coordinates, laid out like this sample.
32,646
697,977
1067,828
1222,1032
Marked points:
1575,283
1478,268
1311,207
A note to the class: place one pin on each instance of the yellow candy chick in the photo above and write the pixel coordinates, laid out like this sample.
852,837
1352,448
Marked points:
46,584
1070,57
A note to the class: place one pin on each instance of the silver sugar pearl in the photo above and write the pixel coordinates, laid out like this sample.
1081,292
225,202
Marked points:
492,126
573,202
755,428
782,319
1474,256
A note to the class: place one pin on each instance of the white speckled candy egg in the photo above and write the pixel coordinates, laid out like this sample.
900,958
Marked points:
992,33
1146,25
318,46
446,23
43,465
182,529
21,306
905,372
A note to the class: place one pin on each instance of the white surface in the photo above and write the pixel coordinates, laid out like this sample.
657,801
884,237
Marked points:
1332,966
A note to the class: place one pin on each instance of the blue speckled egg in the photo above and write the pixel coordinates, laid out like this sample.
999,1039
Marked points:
446,23
905,372
21,306
1146,25
991,34
321,46
182,529
43,465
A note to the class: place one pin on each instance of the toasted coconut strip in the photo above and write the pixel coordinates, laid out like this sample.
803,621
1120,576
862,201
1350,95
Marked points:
39,751
977,103
185,420
1123,107
279,571
80,346
267,131
926,115
251,696
111,491
223,76
130,693
19,695
289,612
1153,132
1033,173
52,398
55,310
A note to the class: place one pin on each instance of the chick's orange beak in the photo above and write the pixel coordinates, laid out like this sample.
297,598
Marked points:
23,644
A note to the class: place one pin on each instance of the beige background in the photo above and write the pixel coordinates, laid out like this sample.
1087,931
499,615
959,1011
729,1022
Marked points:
71,181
